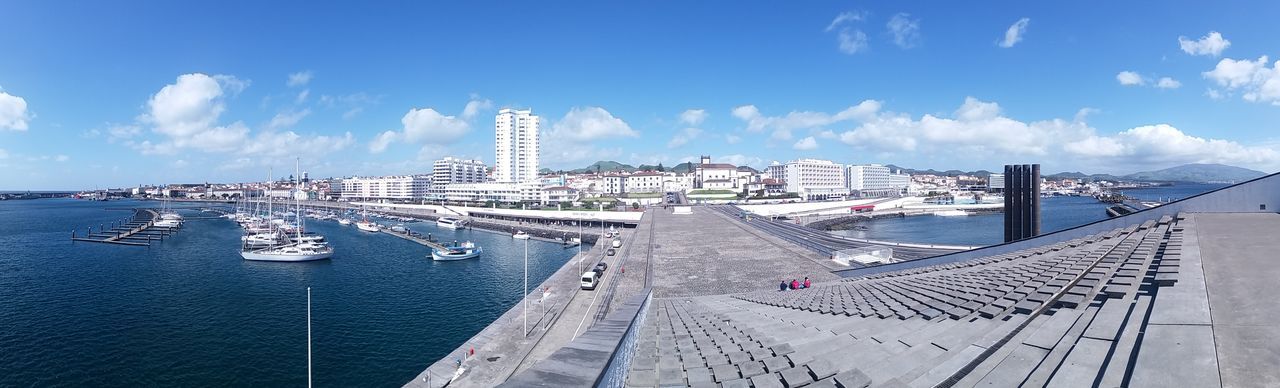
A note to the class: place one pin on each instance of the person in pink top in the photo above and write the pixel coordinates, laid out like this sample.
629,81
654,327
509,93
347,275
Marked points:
806,282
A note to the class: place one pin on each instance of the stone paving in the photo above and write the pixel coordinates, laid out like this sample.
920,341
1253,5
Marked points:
1068,314
706,254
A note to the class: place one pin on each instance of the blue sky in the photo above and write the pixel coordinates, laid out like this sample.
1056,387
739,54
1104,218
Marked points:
99,95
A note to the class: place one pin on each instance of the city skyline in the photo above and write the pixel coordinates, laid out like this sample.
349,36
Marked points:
105,95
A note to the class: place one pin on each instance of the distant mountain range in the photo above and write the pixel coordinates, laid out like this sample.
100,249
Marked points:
1200,173
1195,173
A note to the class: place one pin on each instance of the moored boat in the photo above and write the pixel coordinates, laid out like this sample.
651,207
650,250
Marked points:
450,223
520,235
462,251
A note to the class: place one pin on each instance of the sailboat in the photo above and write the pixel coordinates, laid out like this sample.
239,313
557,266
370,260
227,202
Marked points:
367,225
298,248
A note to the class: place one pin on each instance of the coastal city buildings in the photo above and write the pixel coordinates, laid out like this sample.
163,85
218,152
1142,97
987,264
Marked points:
814,179
452,170
516,146
715,176
404,187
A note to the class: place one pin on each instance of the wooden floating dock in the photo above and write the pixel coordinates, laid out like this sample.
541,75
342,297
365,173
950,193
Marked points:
415,237
138,230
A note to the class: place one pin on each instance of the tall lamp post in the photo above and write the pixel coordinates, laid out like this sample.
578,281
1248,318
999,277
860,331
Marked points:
525,296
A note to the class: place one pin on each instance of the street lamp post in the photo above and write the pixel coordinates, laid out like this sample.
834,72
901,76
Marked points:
525,296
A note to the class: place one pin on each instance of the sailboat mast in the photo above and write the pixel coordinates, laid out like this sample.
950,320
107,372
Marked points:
297,213
308,337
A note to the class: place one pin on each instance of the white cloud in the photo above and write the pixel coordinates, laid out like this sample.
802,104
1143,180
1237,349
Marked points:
851,41
383,140
693,116
1255,81
590,123
732,139
4,154
1168,83
905,31
302,96
13,112
684,137
757,122
1129,78
185,114
1162,144
299,79
289,144
740,160
352,113
180,163
1014,34
475,106
287,119
845,17
979,128
571,157
61,158
1211,44
806,144
427,125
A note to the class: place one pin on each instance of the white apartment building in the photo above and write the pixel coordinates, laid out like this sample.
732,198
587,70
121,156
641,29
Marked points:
869,180
815,179
899,182
495,191
405,187
644,182
613,184
995,182
677,182
516,146
453,170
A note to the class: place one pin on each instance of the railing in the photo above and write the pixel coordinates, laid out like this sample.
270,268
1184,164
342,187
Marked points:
600,357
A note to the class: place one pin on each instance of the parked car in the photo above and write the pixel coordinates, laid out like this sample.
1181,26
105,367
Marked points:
602,266
590,280
611,252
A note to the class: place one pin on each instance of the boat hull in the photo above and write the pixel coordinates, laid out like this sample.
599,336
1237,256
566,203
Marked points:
437,256
257,256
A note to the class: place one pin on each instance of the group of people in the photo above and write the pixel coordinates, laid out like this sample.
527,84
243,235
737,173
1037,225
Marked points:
794,285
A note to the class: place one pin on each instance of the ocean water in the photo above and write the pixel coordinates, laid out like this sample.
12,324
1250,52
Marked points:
189,311
1057,213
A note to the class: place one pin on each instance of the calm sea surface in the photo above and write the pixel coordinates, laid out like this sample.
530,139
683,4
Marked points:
1057,213
190,312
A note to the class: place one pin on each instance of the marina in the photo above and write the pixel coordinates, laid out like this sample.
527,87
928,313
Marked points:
139,230
191,311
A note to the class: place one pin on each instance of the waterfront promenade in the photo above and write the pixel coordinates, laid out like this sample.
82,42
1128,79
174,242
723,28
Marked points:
702,253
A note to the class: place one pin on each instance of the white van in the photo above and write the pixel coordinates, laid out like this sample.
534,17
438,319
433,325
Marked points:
589,280
617,243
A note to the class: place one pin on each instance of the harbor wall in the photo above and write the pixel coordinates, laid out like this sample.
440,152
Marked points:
1258,195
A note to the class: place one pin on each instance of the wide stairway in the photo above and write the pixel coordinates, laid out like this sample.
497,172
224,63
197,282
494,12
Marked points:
1068,314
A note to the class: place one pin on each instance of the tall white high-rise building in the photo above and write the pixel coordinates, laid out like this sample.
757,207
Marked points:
515,146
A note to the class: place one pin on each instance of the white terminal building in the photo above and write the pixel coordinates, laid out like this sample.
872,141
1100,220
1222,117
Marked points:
516,146
404,187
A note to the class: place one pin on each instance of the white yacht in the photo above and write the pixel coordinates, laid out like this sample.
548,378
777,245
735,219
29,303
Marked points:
462,251
450,223
344,221
293,252
520,235
296,248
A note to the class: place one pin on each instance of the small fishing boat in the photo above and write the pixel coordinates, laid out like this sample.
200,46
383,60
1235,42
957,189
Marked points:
462,251
520,235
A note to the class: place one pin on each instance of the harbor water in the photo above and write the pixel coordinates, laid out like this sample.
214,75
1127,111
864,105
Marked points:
189,311
1057,213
